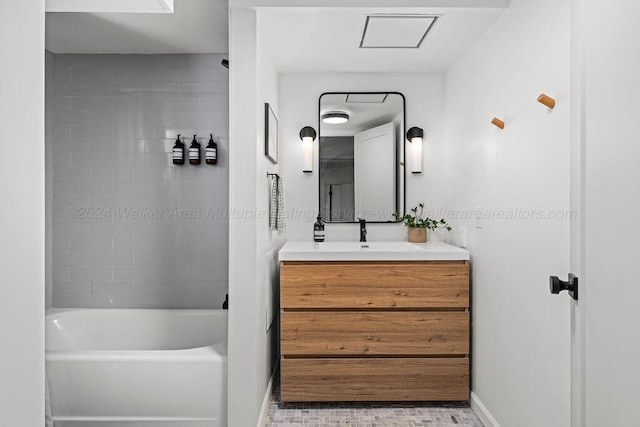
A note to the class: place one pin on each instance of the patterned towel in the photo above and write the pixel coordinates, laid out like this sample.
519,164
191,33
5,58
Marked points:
276,206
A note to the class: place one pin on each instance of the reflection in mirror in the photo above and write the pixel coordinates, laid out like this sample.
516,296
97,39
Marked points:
361,156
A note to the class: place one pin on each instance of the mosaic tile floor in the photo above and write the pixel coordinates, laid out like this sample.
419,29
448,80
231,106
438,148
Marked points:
369,414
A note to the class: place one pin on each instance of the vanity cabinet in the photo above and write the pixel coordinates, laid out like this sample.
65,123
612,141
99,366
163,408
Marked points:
374,330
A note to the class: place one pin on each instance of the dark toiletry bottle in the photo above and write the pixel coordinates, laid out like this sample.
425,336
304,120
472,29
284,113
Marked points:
178,152
211,152
194,152
318,230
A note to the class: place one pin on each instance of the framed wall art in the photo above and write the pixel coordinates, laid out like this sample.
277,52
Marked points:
270,134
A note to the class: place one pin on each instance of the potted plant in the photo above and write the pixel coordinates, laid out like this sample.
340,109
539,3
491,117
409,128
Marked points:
417,225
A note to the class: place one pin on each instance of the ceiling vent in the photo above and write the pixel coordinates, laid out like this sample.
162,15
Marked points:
396,31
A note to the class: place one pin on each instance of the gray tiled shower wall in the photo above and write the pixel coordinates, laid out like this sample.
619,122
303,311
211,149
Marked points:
127,228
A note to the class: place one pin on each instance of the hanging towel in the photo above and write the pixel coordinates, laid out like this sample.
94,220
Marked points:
276,206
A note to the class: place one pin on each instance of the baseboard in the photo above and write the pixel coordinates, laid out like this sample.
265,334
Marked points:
267,399
482,412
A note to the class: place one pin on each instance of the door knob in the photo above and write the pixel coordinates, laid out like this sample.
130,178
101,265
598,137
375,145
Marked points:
556,285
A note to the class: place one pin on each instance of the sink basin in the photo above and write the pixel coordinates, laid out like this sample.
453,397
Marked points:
371,251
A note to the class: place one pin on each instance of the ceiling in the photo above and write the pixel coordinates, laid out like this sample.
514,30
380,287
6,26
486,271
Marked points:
328,39
299,39
196,26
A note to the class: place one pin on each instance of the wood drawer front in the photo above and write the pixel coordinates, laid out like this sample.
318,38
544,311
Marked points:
339,333
374,379
374,285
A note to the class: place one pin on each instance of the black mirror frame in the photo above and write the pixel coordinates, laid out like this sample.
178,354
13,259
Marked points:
404,156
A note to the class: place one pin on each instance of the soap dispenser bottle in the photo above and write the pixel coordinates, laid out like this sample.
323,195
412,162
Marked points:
194,152
211,152
178,152
318,230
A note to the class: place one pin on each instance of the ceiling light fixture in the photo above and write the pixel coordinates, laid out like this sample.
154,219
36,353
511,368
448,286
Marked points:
335,117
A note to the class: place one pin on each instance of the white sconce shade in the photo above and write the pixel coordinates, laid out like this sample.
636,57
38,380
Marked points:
307,135
415,136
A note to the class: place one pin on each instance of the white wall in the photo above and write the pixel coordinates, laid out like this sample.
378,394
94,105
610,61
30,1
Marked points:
520,360
22,218
251,246
49,64
611,42
299,94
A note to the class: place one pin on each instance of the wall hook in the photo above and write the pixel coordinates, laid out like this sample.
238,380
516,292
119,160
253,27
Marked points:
547,101
497,122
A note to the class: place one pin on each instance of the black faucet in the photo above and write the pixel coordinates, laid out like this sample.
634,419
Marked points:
363,229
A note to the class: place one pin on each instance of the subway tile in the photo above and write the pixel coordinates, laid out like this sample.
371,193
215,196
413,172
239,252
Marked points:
113,174
94,188
92,103
102,103
92,160
60,301
223,88
153,174
71,258
116,231
67,60
197,87
61,76
111,287
61,273
113,258
145,131
93,301
204,61
166,259
60,216
61,160
75,117
61,244
80,103
161,286
71,174
61,103
183,102
112,145
66,201
214,74
123,245
124,103
136,273
92,273
92,245
71,230
112,204
126,149
213,101
110,118
72,287
174,74
91,131
68,146
146,86
60,188
71,89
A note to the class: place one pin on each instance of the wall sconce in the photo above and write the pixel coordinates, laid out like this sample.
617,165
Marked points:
307,135
415,136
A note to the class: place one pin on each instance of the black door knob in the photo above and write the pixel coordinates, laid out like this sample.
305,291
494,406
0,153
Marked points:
556,285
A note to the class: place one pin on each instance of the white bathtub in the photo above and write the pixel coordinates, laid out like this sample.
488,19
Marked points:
134,368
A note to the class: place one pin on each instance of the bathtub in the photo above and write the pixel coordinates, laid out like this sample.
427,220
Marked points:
137,368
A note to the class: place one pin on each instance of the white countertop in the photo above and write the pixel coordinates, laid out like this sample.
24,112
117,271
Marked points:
371,251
